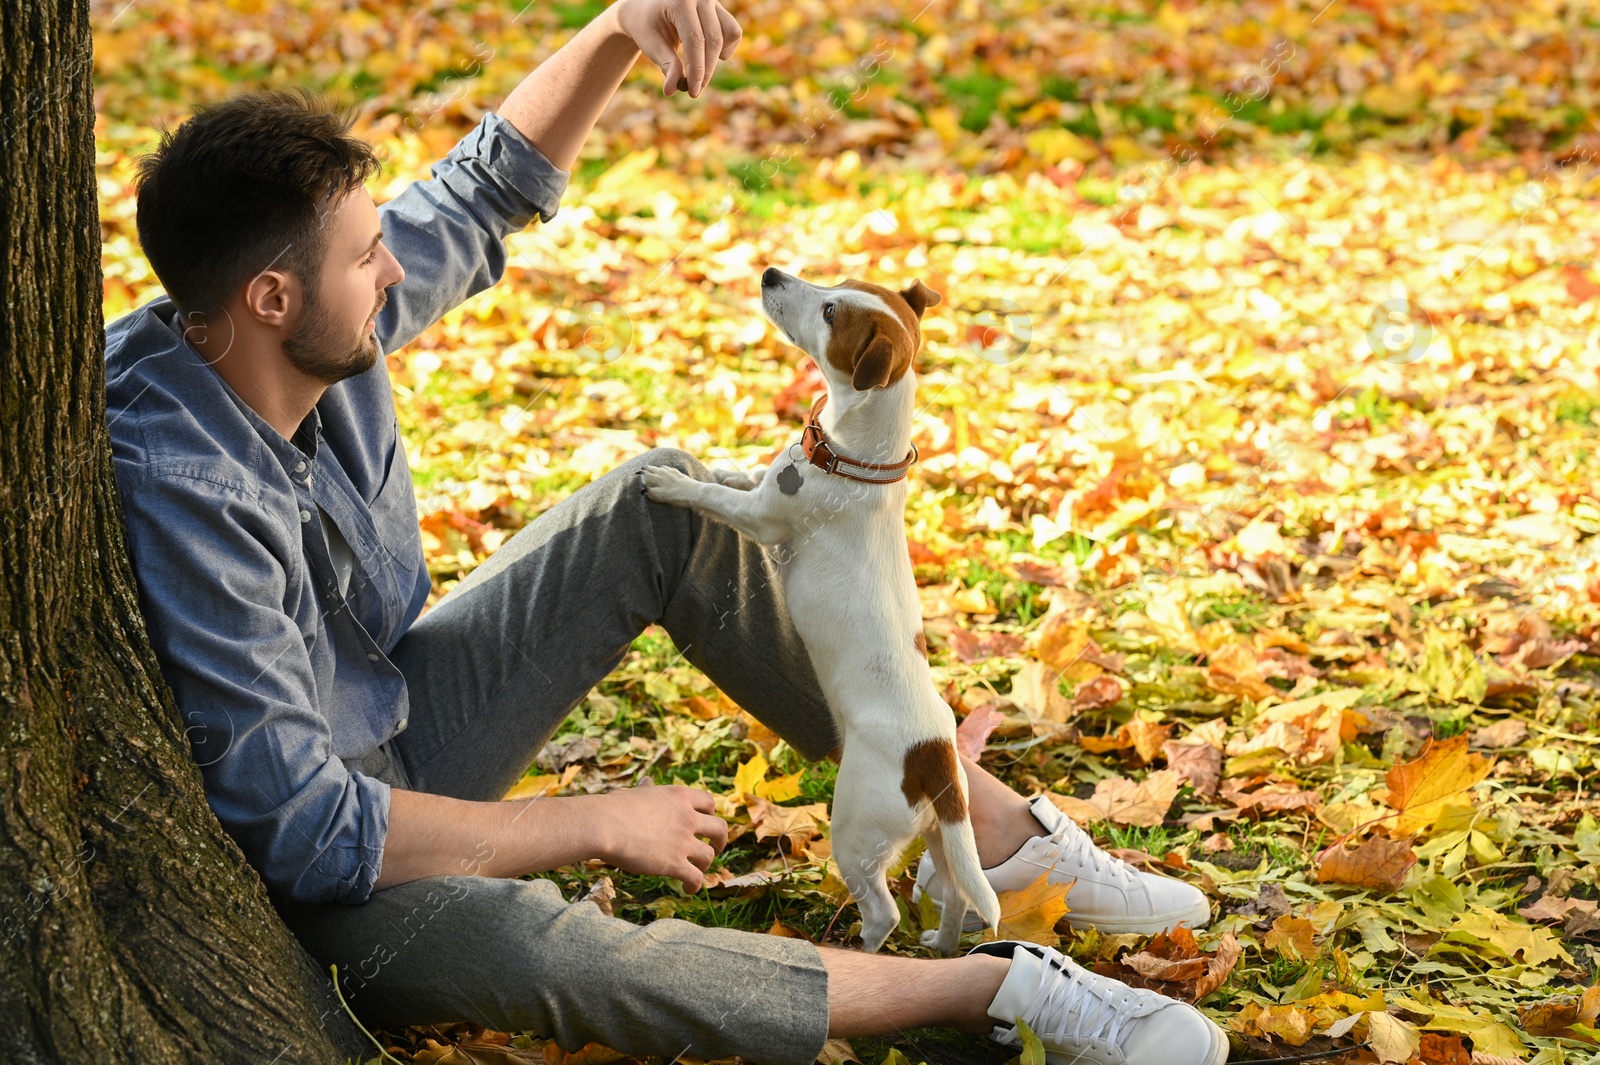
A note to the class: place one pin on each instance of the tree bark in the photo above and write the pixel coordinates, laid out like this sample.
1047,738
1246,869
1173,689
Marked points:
134,929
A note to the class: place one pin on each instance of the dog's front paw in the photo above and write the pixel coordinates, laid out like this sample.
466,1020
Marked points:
744,482
667,484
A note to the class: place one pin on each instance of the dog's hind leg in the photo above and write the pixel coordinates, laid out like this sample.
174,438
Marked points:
947,937
862,865
869,833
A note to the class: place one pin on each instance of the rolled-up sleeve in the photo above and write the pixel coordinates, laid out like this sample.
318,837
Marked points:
212,581
449,232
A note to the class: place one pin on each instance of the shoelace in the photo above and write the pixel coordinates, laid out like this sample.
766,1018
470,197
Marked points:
1078,844
1075,1009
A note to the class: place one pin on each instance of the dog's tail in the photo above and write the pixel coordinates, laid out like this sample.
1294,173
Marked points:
933,775
965,874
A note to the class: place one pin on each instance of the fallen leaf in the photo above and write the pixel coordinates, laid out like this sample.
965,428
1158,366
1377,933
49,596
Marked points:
1097,694
974,731
1173,964
1419,790
1507,733
1196,764
1380,864
1124,802
1030,914
1233,670
1293,936
1511,938
795,825
1556,1016
836,1052
603,893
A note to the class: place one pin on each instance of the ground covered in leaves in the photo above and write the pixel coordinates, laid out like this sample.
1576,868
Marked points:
1256,519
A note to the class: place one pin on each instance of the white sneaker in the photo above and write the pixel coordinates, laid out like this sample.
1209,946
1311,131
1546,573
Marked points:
1081,1016
1110,894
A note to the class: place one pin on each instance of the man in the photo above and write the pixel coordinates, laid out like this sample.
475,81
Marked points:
358,758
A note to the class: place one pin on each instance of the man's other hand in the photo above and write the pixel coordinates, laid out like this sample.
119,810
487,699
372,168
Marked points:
704,29
658,830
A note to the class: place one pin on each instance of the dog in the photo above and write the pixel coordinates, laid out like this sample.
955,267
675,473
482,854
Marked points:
832,509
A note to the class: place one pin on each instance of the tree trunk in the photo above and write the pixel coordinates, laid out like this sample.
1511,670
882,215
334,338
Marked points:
134,929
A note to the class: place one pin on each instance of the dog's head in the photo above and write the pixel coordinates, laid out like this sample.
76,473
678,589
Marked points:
861,334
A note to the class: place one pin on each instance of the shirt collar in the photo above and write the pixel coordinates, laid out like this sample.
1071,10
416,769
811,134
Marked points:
291,454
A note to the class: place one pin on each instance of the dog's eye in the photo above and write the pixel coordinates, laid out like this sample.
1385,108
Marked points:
827,313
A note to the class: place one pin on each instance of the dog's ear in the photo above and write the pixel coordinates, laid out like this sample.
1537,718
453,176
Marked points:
875,364
920,297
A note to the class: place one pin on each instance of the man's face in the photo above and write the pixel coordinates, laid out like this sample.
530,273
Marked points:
336,337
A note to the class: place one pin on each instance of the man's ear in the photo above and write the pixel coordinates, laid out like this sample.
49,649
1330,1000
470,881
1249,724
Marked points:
874,364
267,296
920,296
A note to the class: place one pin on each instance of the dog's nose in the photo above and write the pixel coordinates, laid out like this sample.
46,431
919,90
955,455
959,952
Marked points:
771,276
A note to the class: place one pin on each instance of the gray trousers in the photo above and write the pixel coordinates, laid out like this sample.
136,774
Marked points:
492,670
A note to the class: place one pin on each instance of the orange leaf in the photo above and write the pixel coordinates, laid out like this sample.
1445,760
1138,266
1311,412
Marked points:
1293,936
1419,790
1378,863
1031,913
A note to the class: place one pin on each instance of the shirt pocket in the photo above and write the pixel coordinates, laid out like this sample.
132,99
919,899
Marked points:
394,513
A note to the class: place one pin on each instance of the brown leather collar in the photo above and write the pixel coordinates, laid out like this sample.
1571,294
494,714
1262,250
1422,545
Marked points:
821,454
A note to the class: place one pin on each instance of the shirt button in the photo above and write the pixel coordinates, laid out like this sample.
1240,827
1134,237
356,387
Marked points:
402,726
300,467
305,516
372,657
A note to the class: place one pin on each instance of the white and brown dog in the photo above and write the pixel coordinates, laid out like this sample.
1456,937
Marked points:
833,508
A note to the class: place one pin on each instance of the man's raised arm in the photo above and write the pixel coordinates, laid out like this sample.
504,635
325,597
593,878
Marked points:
449,232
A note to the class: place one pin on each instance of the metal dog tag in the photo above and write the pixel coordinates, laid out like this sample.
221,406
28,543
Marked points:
789,480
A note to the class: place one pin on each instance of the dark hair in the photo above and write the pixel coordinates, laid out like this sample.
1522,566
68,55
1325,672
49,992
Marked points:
243,185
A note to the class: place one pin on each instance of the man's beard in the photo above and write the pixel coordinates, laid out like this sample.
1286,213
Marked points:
320,348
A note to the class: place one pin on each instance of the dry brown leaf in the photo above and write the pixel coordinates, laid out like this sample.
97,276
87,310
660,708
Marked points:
1556,1016
603,893
1173,964
1507,733
1097,694
1124,802
1294,936
1147,737
1197,764
795,825
1272,797
1380,864
972,735
588,1054
1233,669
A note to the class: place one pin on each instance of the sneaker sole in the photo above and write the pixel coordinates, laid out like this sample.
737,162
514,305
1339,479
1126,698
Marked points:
1219,1044
1197,917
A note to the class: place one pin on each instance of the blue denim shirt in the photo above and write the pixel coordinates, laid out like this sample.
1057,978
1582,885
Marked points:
279,676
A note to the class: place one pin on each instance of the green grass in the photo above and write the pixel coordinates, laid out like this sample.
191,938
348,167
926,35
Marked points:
1577,408
1238,609
577,15
976,96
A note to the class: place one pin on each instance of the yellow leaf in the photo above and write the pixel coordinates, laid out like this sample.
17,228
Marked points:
1031,913
543,784
782,789
1420,790
1391,1038
1054,145
1292,936
748,777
